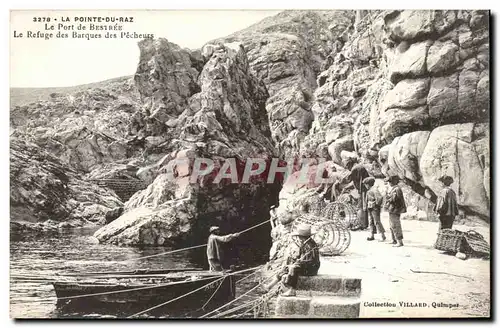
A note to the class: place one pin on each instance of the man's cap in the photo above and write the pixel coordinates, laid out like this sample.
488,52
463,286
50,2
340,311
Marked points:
369,180
393,177
446,179
303,230
214,228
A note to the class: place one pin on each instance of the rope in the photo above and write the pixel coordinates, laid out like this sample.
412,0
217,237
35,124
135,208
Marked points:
259,300
174,299
416,281
258,285
250,274
191,247
189,293
229,303
165,253
213,294
234,300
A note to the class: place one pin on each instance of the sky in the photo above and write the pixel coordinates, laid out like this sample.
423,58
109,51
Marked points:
56,62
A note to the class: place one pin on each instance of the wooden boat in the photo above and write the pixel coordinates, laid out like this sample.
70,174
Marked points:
126,293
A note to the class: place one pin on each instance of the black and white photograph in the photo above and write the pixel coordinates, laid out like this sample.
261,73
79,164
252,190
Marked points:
250,164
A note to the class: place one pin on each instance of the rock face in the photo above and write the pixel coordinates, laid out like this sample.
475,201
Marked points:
401,76
225,119
461,151
43,189
287,52
412,86
87,129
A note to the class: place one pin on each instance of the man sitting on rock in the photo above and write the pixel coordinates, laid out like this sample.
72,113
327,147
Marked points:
214,251
302,260
446,205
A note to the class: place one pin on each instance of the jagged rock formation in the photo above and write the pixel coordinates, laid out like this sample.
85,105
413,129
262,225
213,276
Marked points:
287,52
43,190
217,113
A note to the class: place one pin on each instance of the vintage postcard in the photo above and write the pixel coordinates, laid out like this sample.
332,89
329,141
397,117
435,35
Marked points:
250,164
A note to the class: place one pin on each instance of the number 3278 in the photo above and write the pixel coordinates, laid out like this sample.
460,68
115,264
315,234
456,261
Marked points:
41,19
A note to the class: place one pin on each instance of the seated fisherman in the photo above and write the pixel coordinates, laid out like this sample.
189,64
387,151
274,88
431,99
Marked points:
302,260
215,255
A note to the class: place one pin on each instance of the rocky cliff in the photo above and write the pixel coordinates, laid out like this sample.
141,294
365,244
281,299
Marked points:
287,52
217,113
406,91
414,85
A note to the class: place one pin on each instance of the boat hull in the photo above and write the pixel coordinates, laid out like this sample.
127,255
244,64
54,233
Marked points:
186,298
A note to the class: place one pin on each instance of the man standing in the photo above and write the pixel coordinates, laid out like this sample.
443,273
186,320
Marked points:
395,205
373,203
357,175
446,205
214,252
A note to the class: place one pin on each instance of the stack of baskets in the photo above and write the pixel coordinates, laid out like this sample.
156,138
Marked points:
471,243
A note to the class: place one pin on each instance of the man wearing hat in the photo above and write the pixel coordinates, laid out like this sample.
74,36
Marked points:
446,204
358,173
215,255
395,205
373,204
302,260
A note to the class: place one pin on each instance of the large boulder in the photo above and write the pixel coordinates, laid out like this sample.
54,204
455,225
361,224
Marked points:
451,150
408,63
404,154
459,150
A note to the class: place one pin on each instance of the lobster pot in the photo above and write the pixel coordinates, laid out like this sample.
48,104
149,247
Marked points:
333,212
332,237
311,205
316,206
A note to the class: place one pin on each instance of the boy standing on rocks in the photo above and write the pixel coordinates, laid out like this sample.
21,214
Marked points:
395,205
373,204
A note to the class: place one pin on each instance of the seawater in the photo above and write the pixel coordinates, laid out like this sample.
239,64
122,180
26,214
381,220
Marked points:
74,251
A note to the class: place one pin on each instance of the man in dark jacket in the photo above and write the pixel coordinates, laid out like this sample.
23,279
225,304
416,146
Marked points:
302,260
395,205
373,203
357,175
446,205
215,255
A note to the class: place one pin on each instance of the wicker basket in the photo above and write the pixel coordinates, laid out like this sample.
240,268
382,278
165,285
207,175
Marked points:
476,245
450,240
